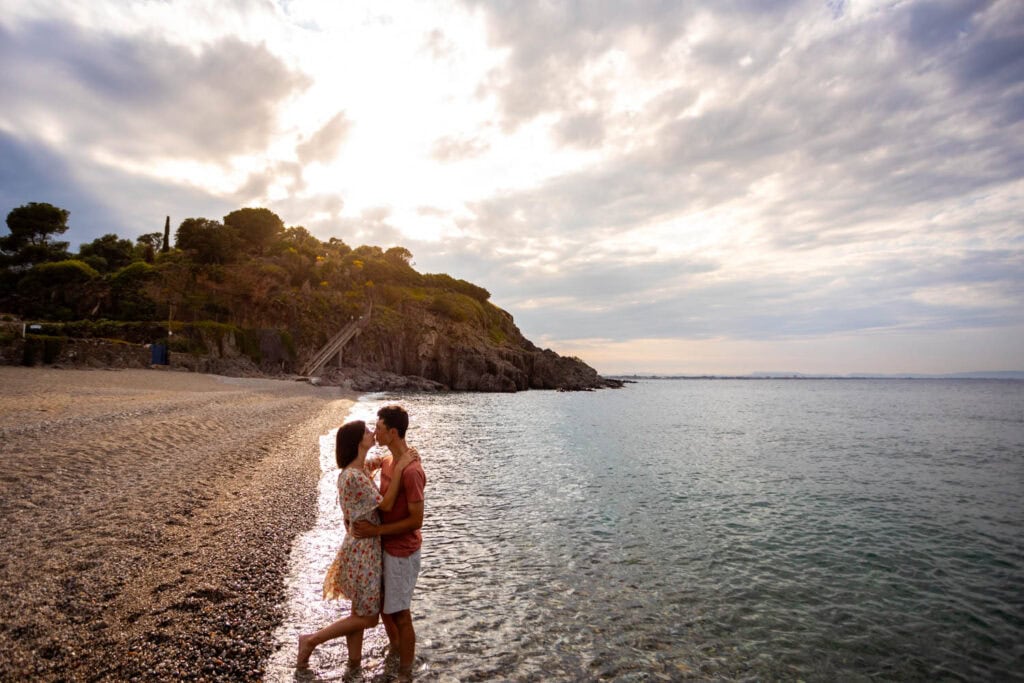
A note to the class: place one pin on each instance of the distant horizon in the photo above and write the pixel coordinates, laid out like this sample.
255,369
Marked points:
978,374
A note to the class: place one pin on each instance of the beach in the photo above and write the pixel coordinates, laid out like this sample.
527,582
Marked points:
147,518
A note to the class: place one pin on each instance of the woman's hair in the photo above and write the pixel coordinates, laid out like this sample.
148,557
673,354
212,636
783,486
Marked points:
346,448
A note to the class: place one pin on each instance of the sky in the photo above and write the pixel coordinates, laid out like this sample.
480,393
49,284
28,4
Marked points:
677,187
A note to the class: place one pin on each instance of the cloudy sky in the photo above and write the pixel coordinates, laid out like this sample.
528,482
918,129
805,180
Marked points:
692,187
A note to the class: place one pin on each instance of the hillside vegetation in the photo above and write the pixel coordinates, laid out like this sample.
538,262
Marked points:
272,293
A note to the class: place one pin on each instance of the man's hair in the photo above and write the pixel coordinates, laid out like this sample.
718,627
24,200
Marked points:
395,417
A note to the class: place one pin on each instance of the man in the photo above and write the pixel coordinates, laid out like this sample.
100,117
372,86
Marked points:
400,535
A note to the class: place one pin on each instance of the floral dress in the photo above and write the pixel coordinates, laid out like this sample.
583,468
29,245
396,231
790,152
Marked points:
356,571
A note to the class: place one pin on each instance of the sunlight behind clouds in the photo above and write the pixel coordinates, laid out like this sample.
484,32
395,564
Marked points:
402,96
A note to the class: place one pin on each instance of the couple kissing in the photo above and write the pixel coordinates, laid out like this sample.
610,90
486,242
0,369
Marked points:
379,560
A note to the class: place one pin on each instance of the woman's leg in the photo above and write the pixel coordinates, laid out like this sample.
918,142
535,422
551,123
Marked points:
355,648
343,627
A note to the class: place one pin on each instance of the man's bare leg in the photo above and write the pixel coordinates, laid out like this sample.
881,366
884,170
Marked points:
392,630
406,641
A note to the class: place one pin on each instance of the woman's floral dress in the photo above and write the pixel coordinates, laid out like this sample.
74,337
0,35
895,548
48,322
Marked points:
356,571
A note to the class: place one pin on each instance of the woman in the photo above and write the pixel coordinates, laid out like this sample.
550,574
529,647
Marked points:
356,571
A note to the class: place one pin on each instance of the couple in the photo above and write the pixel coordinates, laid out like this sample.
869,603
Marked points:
359,571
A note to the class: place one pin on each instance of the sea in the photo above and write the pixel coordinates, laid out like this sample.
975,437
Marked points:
712,529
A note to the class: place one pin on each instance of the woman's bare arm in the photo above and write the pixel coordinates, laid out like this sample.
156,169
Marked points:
372,464
396,483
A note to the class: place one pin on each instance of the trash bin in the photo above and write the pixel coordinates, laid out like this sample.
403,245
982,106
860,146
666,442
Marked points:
159,354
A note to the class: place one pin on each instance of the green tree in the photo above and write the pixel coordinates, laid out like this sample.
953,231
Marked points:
337,247
257,228
298,265
32,227
128,292
108,253
302,241
399,256
367,251
64,290
173,284
393,266
209,241
146,246
445,281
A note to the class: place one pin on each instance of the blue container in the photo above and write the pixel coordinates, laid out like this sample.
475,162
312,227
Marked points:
159,354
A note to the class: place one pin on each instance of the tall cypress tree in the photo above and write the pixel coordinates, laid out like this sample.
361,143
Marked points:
167,236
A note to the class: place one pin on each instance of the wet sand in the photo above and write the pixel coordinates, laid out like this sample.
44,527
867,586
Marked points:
146,519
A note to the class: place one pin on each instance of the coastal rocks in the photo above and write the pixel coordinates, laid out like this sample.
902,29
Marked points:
364,379
551,371
461,355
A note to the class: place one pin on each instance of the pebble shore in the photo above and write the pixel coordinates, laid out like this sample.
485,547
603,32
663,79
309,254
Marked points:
148,517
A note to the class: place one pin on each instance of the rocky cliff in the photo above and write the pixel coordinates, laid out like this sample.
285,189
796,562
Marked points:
479,351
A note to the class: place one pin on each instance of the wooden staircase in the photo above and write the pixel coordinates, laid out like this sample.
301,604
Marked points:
337,343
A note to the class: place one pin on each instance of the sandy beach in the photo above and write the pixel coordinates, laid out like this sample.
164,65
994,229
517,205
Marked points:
147,517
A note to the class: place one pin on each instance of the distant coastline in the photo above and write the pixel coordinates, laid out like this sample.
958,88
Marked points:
1004,374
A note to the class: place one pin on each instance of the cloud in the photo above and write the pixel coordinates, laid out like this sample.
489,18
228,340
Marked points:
431,211
438,45
323,145
92,111
983,46
371,227
140,96
452,148
580,130
680,299
258,184
33,173
828,141
101,200
550,43
320,213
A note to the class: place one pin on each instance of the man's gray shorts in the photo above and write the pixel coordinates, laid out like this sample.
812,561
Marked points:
399,580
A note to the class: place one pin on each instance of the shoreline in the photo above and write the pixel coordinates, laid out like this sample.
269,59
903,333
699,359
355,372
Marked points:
148,519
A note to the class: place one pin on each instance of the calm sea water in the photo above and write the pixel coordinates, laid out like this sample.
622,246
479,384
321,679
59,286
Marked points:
707,529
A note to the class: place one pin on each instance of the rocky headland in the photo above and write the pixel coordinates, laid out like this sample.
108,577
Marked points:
413,347
250,297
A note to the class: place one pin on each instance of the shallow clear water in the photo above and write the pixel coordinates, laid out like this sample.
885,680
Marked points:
712,529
